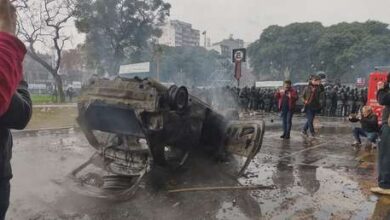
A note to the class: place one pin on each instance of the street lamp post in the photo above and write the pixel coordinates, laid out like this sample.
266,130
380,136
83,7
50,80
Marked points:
158,51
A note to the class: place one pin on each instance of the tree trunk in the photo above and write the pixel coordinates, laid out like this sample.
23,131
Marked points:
60,87
52,71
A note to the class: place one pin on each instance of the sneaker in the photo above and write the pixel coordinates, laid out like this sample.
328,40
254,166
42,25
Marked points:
312,135
378,190
283,136
287,137
304,133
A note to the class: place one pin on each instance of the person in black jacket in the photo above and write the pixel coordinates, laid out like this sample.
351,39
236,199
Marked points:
15,102
333,96
312,105
369,126
17,117
383,96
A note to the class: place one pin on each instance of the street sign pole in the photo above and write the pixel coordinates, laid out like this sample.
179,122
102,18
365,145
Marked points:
239,56
237,72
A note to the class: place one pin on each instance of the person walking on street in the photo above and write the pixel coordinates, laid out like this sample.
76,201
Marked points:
383,96
286,97
70,93
312,105
15,102
333,97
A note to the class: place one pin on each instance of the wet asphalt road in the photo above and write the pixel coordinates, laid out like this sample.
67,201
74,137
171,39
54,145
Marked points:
320,178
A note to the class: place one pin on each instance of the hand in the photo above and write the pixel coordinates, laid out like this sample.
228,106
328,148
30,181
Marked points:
381,85
7,17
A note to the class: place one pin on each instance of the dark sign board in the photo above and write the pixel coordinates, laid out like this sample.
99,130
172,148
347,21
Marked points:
239,55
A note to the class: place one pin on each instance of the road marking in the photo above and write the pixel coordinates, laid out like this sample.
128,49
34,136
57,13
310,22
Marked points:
304,150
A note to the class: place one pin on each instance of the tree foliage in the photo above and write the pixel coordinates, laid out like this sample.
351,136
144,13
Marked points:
42,24
116,29
344,51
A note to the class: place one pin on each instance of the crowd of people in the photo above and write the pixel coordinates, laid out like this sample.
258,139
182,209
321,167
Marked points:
336,101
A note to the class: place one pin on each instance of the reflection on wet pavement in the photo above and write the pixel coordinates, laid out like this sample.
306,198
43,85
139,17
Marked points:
316,179
320,178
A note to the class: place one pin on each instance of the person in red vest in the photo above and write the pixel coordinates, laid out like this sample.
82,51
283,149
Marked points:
15,102
287,97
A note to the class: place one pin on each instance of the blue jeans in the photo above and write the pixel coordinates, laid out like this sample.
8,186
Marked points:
287,122
384,158
360,132
310,115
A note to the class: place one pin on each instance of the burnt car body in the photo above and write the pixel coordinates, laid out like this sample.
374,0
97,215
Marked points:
138,124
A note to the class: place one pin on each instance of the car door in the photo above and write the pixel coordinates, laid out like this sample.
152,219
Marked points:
244,139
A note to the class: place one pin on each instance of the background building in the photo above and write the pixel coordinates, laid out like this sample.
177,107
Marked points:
225,47
178,33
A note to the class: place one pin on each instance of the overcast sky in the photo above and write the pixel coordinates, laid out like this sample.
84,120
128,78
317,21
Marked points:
246,19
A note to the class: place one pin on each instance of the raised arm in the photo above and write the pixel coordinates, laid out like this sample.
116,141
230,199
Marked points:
11,57
12,53
277,94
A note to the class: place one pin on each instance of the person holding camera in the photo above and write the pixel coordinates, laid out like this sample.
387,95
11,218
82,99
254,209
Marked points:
369,126
383,96
312,105
286,97
15,102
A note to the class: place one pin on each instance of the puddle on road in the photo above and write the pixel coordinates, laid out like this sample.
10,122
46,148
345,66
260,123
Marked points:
230,211
319,183
315,178
40,162
310,191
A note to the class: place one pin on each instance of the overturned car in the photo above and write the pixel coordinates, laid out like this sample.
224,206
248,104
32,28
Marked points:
136,125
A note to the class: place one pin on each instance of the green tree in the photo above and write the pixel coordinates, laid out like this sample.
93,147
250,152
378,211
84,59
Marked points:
344,51
286,48
117,29
350,50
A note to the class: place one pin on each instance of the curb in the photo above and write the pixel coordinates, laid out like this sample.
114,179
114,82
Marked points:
73,105
43,131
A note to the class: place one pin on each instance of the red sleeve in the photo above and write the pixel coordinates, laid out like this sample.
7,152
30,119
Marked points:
277,95
12,52
294,94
